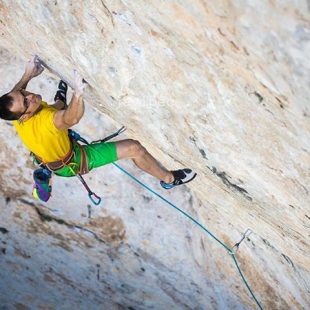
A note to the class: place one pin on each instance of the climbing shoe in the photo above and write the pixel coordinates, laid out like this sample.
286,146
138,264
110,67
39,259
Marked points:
181,176
61,93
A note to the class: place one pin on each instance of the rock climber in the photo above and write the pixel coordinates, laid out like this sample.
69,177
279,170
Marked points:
44,128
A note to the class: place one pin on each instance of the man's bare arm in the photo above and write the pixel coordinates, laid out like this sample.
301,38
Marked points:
59,105
67,118
71,116
22,84
33,69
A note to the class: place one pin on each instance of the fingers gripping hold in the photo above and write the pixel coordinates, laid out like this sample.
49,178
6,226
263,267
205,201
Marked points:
79,83
34,67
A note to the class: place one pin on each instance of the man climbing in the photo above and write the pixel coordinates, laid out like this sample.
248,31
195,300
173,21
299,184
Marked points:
44,128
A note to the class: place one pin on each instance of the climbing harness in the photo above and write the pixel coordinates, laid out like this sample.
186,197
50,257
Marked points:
95,199
42,177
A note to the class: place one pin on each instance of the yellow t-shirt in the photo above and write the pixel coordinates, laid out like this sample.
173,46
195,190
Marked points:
41,137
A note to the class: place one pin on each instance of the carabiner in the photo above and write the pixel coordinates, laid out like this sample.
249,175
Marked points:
90,194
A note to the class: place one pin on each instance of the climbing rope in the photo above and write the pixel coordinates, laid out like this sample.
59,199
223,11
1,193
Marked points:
229,250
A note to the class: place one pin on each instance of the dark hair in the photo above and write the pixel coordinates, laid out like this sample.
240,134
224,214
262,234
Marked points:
6,102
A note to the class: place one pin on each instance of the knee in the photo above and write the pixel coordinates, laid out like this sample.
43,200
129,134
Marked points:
136,148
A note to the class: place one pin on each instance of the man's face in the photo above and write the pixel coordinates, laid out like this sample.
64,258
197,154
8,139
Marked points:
25,102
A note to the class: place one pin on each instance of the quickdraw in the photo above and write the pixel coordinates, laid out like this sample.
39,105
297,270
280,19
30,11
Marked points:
95,199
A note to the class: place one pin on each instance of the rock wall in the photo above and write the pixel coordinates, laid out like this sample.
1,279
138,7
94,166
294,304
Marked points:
221,87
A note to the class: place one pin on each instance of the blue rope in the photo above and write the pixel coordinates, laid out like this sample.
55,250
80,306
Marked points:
76,136
232,254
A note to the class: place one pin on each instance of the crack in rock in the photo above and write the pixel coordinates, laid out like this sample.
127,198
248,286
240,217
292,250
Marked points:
289,260
259,96
107,11
3,230
201,150
224,177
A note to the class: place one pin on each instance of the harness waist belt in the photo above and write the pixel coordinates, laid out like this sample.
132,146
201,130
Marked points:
56,165
59,164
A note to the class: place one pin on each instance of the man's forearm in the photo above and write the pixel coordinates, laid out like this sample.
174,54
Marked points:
33,69
59,105
72,115
75,110
22,84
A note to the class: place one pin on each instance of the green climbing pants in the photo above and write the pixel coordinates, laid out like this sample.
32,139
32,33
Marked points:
98,154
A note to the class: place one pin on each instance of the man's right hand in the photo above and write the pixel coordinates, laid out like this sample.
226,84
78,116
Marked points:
79,84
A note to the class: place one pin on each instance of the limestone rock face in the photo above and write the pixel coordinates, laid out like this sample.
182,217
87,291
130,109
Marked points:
218,86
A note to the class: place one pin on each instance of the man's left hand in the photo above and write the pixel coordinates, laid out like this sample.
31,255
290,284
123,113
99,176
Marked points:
33,68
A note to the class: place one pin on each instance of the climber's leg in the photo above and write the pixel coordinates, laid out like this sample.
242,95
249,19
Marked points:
143,159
